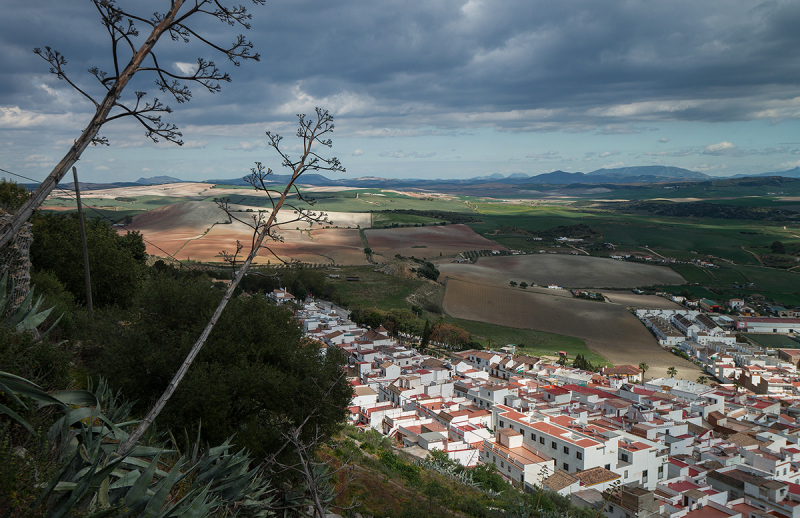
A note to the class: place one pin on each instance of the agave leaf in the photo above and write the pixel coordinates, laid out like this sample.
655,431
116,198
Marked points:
3,294
73,416
102,492
140,463
76,397
103,514
32,319
126,480
16,417
162,490
43,335
22,387
134,498
65,486
20,313
147,451
198,507
13,396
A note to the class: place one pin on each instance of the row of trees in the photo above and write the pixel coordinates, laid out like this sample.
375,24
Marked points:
406,321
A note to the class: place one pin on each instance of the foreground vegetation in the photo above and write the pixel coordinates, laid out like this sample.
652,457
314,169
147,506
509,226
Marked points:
385,482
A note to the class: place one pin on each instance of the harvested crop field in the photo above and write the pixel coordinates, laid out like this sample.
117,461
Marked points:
428,242
633,300
569,271
609,329
200,230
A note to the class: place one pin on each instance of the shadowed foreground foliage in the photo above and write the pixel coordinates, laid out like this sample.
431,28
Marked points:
256,377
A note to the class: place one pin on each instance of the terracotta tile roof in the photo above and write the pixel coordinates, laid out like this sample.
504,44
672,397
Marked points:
743,439
622,370
596,475
559,480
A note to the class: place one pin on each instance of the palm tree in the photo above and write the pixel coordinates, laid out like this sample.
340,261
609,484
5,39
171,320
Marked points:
672,371
702,380
643,367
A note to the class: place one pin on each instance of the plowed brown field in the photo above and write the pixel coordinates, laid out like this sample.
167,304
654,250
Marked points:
427,242
199,231
609,329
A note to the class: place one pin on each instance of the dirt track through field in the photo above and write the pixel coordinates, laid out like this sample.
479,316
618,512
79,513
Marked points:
609,329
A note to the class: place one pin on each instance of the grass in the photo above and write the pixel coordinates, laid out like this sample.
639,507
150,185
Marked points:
672,237
369,200
734,281
528,341
773,340
375,289
387,219
114,216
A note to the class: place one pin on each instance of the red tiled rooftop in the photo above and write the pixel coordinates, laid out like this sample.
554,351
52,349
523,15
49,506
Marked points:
683,485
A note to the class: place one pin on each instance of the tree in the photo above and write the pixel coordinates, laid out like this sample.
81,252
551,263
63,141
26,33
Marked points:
426,335
777,247
132,53
512,283
449,334
12,195
643,367
256,377
312,133
117,261
672,372
702,380
523,285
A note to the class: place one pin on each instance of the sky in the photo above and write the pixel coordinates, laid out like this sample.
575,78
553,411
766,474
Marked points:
433,89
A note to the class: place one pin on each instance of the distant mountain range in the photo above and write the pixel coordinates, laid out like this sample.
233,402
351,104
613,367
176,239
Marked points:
791,173
616,176
622,175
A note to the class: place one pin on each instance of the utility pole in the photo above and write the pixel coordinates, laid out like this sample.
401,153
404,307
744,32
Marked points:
83,245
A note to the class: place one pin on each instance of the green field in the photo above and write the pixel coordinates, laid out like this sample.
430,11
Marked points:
773,341
375,289
734,189
735,281
369,200
534,343
387,219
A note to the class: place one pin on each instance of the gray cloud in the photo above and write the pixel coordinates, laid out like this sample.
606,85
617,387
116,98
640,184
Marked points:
442,63
404,154
407,69
551,154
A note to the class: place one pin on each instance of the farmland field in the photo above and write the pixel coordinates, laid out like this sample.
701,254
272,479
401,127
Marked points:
609,329
571,271
773,340
528,341
200,230
427,242
632,300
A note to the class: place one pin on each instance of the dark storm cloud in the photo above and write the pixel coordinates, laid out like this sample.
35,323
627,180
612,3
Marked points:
515,65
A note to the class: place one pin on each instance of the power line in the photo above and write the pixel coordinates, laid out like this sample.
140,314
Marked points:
101,215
